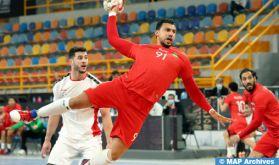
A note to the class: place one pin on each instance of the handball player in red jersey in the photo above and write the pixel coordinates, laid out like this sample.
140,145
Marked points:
236,104
266,109
134,93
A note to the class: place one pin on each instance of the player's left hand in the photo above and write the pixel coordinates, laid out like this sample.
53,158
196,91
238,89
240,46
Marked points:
219,118
234,139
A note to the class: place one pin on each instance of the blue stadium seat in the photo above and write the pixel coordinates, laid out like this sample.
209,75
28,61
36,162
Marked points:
30,36
12,50
178,25
178,39
9,27
62,23
191,11
80,21
98,31
61,46
145,39
270,6
161,13
141,16
23,27
151,15
123,29
54,35
228,20
153,27
185,25
180,11
47,24
134,28
1,39
35,60
255,21
89,32
104,29
32,26
104,18
201,10
106,44
206,22
52,60
211,8
71,33
22,38
28,49
10,62
170,13
14,39
195,23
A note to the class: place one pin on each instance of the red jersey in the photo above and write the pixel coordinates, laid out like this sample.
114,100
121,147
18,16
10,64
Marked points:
7,109
236,104
155,68
266,110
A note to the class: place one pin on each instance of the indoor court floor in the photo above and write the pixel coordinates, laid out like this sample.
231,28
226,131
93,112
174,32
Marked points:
23,160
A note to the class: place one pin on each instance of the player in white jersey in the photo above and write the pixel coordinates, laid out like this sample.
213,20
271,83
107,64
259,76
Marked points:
80,133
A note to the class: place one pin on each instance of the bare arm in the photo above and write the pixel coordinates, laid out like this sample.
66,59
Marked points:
223,106
53,122
107,123
255,123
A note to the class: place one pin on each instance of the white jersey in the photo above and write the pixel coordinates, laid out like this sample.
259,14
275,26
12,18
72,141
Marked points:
77,124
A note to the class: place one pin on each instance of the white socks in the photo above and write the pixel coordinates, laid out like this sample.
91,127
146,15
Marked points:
55,108
2,145
9,146
102,158
231,151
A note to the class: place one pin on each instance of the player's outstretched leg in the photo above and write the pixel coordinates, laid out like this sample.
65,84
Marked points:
54,108
107,156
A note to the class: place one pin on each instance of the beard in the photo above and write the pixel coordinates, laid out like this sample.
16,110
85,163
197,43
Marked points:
82,71
165,45
250,87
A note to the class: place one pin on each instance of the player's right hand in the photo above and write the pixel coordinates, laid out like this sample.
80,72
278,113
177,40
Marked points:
45,149
116,6
219,118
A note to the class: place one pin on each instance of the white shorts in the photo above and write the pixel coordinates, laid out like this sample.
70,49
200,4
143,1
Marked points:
66,149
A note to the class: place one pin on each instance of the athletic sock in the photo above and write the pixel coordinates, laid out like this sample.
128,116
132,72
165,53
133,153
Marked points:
54,108
102,158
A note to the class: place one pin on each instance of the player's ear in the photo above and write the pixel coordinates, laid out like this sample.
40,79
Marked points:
156,33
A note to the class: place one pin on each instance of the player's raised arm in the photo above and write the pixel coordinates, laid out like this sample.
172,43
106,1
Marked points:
196,95
122,45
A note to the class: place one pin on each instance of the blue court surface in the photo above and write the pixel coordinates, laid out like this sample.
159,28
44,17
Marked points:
29,160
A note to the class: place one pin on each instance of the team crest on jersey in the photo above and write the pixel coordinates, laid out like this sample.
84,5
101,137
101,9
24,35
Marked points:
175,55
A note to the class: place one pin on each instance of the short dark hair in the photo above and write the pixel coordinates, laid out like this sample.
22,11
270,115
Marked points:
160,23
171,95
254,74
73,51
233,86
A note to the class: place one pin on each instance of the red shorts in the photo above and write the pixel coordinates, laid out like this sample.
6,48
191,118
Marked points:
237,126
267,145
132,108
8,121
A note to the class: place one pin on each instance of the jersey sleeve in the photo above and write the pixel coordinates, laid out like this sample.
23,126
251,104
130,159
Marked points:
5,109
122,45
192,89
55,92
258,115
228,99
18,107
